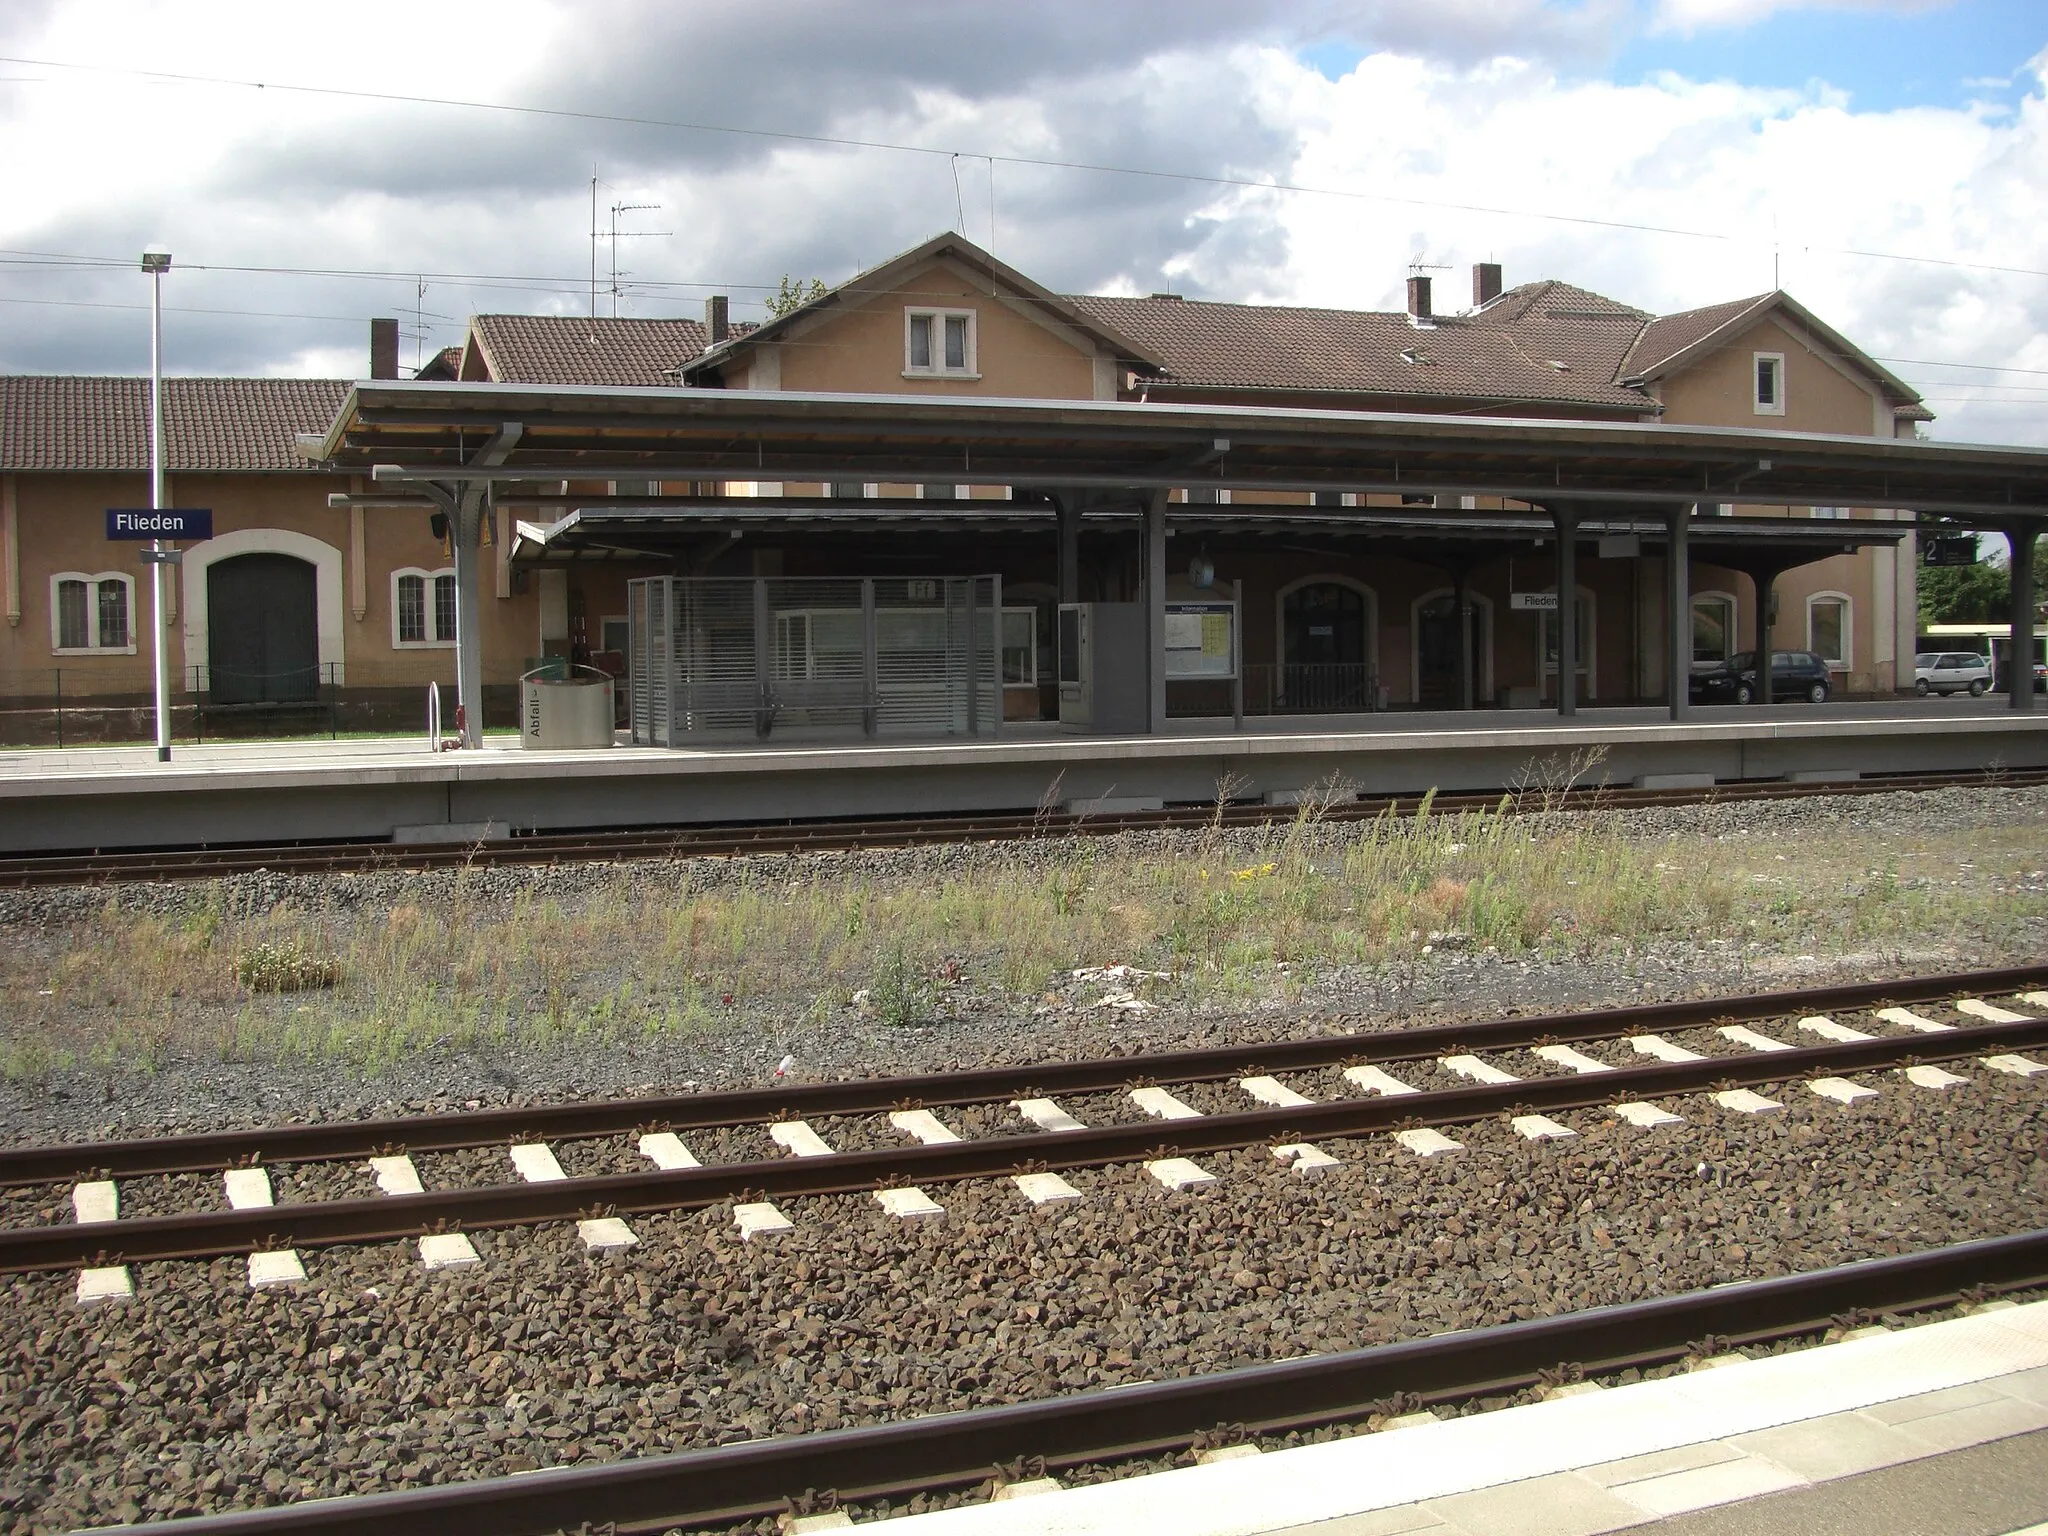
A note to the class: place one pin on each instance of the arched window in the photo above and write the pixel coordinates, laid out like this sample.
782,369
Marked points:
92,615
422,609
1433,657
1328,644
1828,628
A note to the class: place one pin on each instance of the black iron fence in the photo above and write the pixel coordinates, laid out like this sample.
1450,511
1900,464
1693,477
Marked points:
73,706
1279,688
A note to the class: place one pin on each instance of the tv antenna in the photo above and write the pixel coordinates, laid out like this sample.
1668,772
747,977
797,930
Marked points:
618,234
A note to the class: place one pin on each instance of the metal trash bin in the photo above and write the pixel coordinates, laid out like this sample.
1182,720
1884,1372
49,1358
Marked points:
558,712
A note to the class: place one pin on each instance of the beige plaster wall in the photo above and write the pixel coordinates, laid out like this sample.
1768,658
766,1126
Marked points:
862,349
1819,397
60,526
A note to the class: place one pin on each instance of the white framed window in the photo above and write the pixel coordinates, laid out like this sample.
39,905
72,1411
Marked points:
1587,632
1713,627
939,344
1767,383
1828,631
92,614
422,609
1020,647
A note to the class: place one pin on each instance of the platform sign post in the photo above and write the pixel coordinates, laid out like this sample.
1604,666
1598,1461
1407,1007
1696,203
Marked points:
157,262
152,526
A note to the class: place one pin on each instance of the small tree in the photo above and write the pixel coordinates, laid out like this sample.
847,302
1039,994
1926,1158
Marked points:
794,294
1964,594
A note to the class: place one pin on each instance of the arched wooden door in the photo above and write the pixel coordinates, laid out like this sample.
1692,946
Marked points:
262,630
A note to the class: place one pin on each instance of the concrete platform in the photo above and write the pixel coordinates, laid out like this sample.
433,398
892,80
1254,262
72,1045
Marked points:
1775,1444
121,797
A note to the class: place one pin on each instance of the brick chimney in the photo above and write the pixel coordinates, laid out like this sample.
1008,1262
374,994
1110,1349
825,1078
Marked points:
1418,298
384,349
1485,282
716,326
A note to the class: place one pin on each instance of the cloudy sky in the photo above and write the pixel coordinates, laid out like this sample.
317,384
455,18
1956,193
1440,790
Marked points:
311,166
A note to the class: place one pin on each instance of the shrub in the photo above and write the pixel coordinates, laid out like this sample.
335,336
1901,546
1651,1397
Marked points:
901,994
288,966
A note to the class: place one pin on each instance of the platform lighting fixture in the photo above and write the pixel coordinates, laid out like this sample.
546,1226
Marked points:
156,261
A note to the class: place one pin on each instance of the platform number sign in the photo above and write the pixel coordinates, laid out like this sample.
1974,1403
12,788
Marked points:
1950,549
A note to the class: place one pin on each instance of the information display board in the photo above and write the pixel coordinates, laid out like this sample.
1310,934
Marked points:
1201,640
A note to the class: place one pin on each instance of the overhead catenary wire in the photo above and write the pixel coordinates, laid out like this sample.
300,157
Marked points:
1043,162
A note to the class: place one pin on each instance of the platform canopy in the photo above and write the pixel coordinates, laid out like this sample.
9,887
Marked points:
401,432
459,446
627,527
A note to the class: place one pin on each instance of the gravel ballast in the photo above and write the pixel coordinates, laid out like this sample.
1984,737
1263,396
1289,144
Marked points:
202,1395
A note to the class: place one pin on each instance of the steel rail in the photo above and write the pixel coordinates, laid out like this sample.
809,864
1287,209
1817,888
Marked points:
208,1152
714,841
954,1450
329,1223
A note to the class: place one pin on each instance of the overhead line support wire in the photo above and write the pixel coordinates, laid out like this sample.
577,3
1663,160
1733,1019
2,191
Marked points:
839,142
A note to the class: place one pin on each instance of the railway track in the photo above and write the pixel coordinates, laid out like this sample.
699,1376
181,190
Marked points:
1673,1069
196,863
956,1450
1727,1059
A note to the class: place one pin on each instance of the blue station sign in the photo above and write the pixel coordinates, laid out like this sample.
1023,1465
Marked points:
133,523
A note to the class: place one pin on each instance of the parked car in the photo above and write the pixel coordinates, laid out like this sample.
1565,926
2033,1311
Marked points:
1794,675
2003,681
1951,672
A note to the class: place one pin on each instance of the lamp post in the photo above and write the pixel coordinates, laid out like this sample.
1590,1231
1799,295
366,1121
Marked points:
156,263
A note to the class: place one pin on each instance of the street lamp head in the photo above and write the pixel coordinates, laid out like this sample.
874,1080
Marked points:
156,259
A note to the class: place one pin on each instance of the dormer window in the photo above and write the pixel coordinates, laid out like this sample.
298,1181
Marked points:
939,343
1769,383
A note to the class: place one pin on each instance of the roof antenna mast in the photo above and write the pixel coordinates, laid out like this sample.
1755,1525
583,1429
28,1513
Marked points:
630,234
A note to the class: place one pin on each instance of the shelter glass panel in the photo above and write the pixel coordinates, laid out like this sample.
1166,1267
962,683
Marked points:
811,658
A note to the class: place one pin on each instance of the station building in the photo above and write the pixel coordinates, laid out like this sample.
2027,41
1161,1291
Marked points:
312,588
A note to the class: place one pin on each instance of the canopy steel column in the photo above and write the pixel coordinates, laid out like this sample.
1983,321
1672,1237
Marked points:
2020,537
1155,610
1565,519
1069,508
466,526
1462,602
1678,612
462,499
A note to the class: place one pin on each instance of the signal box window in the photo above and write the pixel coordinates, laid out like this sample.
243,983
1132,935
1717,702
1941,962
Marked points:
1770,383
939,343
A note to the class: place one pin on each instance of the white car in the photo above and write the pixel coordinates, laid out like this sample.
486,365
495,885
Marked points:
1951,672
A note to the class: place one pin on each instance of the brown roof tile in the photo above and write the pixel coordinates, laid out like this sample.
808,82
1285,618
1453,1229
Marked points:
1668,335
569,349
1543,343
81,422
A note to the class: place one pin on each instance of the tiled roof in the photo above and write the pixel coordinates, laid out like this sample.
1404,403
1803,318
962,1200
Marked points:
444,364
1542,343
569,349
1668,335
96,422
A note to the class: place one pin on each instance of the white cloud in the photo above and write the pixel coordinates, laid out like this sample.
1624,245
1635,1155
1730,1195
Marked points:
101,164
1690,16
1788,182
